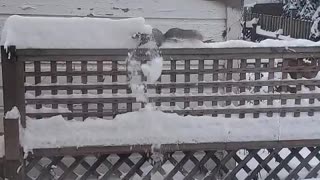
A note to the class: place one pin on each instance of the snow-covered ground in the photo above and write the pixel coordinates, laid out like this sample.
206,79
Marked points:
148,125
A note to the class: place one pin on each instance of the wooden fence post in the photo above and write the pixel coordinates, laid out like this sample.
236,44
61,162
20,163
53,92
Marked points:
13,96
13,82
14,168
254,33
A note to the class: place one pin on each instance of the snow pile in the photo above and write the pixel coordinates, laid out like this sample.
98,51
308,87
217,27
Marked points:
49,32
31,109
149,126
277,34
240,43
13,114
153,69
249,24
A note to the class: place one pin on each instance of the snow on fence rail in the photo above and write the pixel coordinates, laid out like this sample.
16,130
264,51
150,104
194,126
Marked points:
229,82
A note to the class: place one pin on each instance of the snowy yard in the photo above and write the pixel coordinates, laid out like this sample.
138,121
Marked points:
190,91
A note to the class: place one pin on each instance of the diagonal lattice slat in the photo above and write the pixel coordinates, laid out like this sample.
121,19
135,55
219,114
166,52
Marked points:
272,163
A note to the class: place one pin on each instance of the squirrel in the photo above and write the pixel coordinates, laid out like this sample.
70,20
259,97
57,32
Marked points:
171,34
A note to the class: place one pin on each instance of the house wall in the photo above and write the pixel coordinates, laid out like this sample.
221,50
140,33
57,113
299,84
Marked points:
209,17
234,16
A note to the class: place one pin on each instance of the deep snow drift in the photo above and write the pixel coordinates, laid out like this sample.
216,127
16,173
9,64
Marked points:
149,126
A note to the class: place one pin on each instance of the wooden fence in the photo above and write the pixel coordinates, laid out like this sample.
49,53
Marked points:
295,28
93,83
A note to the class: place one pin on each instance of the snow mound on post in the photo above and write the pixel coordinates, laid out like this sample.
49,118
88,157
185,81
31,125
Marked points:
67,33
13,114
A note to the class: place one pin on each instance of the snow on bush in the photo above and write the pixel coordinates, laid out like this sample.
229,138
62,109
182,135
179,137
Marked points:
58,32
303,9
308,10
315,29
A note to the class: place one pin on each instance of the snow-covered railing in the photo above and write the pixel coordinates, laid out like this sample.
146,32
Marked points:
93,83
240,83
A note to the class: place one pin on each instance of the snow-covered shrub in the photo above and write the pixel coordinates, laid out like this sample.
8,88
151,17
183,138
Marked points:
290,5
315,30
307,10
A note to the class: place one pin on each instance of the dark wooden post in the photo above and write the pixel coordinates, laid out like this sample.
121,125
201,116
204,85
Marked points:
14,168
254,33
13,95
13,82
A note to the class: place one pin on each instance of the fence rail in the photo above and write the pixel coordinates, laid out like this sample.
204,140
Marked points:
295,28
93,83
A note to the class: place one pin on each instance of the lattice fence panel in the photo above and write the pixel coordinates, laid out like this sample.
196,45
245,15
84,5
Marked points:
248,87
248,164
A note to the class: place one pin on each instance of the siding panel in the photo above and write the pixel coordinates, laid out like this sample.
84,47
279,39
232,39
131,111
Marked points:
200,9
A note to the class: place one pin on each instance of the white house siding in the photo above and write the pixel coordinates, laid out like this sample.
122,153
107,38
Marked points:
211,18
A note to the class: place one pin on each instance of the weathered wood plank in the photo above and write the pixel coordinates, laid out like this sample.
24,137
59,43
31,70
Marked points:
186,81
183,71
74,151
284,88
193,112
13,82
99,89
200,79
69,78
173,79
229,88
37,80
187,84
173,51
84,80
114,79
54,80
105,98
13,152
270,78
257,77
243,76
215,78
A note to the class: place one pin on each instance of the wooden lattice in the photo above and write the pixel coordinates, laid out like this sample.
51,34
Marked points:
273,163
93,83
245,81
